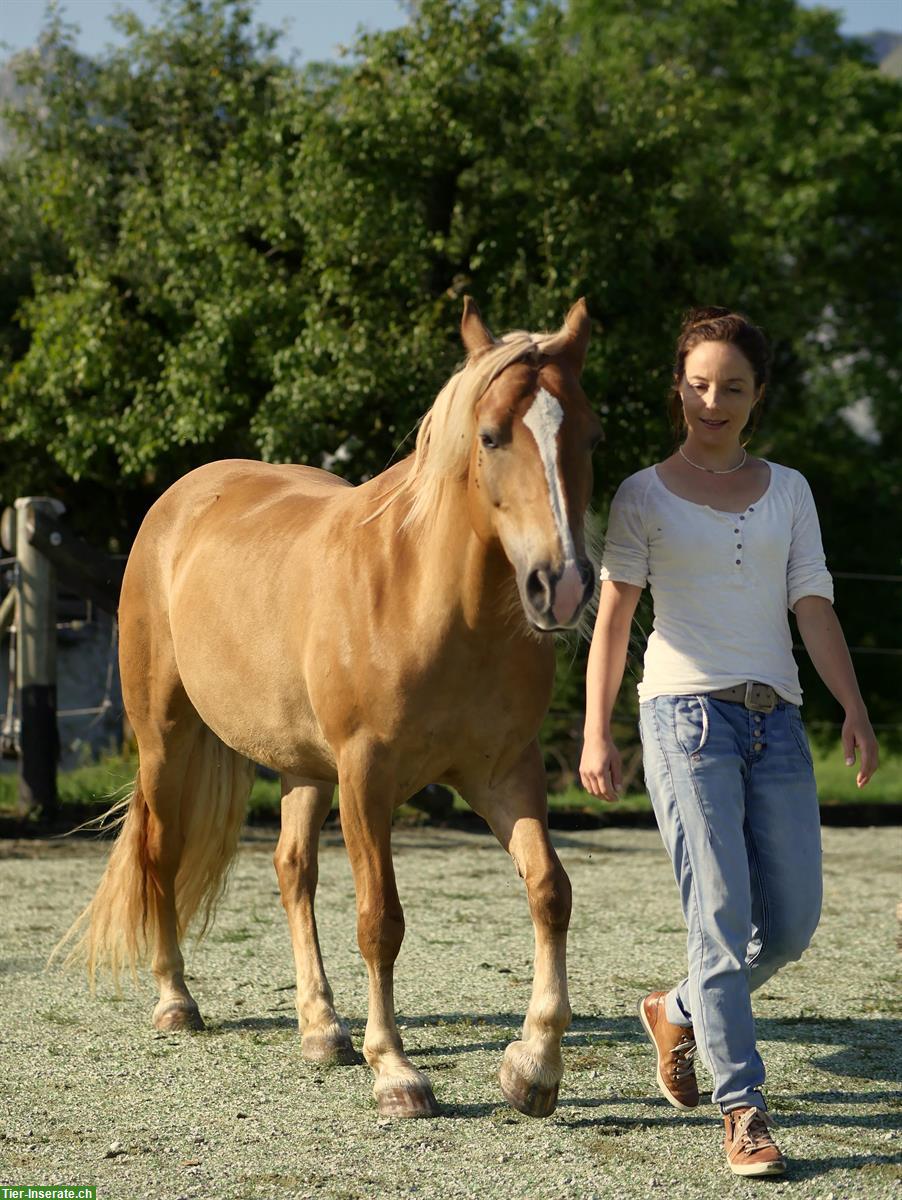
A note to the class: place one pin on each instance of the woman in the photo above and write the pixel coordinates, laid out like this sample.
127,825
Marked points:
728,543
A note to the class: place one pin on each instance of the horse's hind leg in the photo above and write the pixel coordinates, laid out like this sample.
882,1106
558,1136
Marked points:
305,805
195,789
164,768
516,809
184,822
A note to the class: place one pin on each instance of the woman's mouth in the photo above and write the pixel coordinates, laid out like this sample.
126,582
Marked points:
709,424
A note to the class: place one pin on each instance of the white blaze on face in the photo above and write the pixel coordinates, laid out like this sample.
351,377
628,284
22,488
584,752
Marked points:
543,419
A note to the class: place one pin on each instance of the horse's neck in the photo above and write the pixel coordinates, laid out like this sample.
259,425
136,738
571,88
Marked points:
461,579
488,594
472,580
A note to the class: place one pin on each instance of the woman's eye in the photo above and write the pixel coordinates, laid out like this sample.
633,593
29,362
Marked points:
489,441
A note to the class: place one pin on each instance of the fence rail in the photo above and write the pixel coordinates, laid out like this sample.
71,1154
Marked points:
45,552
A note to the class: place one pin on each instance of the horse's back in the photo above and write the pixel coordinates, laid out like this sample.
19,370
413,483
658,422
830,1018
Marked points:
230,498
300,479
245,482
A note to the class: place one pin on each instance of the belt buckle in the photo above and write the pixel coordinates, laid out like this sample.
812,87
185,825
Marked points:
755,703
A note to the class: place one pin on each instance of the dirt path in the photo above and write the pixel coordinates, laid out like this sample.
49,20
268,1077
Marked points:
237,1113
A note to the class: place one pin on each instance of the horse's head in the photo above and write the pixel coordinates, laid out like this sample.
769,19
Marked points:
530,475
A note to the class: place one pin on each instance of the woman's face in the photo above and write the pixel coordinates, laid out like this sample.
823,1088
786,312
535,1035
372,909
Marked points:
718,393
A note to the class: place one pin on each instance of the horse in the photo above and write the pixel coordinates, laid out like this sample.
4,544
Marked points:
382,636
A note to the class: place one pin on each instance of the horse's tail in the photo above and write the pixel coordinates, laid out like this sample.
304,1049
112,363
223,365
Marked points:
118,928
112,930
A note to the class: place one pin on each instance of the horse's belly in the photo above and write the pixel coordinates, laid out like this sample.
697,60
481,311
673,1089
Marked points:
284,737
251,694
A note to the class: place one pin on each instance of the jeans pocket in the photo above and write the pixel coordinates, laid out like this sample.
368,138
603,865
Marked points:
646,713
797,725
690,724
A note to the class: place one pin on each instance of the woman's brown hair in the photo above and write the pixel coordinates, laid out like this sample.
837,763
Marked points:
719,325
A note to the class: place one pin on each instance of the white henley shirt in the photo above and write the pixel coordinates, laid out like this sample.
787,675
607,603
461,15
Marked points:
722,583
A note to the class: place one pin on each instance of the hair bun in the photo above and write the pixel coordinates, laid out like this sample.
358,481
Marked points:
701,316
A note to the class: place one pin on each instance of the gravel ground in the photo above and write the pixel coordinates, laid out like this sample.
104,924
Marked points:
91,1095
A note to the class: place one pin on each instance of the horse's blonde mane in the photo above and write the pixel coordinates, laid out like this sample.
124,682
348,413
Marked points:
442,451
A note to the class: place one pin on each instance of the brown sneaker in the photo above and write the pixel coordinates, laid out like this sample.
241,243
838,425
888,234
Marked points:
675,1048
750,1148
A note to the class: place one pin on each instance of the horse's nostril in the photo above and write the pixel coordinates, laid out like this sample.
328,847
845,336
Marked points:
587,572
539,589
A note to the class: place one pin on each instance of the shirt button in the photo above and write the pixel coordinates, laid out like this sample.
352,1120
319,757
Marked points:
739,545
738,562
759,745
735,530
742,518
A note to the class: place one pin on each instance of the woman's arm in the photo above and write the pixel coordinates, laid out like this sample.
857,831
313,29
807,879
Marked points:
600,768
823,637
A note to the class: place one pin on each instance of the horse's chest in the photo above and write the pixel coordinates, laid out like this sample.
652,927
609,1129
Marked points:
465,719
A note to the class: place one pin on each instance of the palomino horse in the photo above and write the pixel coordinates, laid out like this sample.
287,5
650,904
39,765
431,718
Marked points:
385,636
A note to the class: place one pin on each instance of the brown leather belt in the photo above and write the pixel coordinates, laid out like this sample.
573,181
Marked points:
759,697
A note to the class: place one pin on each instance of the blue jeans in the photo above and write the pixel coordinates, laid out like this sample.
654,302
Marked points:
735,801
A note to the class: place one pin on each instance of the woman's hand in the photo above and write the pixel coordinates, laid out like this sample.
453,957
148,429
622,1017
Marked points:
857,734
601,769
823,637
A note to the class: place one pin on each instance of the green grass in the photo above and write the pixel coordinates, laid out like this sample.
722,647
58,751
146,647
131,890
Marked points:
835,785
96,786
99,785
836,781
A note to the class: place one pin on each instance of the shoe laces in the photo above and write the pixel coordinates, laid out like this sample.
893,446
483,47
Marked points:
683,1054
751,1132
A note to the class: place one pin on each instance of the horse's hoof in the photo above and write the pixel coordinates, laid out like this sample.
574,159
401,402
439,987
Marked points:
407,1100
330,1048
533,1099
177,1015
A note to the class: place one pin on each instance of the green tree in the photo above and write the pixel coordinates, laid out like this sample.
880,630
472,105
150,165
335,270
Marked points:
151,330
213,253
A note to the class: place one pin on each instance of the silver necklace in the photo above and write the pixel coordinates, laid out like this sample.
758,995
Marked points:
711,470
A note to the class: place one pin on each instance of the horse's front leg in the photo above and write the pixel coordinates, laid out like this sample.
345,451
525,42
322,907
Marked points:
305,806
517,810
367,788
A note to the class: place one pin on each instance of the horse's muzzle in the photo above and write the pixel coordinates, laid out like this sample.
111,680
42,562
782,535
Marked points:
555,599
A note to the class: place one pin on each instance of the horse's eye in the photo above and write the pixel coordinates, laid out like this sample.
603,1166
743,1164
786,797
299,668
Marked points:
489,441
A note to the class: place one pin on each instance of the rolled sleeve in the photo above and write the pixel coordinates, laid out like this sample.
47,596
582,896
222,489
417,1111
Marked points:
625,557
806,570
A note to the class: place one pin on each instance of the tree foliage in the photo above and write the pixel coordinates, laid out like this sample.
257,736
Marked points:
210,252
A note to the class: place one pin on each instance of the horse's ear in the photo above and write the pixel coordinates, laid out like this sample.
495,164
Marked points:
474,332
578,325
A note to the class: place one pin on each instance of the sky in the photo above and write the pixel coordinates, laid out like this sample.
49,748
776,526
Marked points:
316,27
